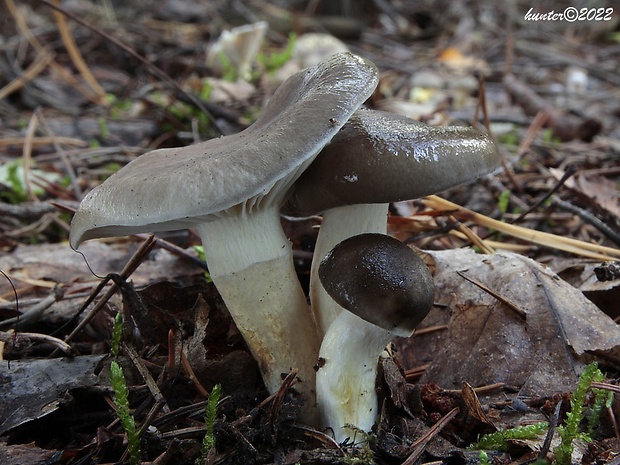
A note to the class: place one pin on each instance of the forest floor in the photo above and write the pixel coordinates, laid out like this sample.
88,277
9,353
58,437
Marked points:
86,87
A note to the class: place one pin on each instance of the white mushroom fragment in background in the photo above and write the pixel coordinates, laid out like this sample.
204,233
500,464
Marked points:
386,290
378,158
231,189
236,49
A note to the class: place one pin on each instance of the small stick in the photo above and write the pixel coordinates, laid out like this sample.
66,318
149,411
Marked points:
34,312
16,338
419,446
192,376
590,218
566,244
27,155
537,123
146,375
129,268
521,313
567,174
43,59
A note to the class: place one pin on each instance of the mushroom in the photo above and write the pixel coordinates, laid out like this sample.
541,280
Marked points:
378,158
231,189
387,290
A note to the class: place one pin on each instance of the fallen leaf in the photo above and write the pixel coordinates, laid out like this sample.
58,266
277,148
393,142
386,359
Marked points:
600,190
23,454
31,389
58,263
486,342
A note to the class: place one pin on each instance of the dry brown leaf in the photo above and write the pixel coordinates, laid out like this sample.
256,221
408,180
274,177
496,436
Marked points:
487,342
22,454
58,264
600,190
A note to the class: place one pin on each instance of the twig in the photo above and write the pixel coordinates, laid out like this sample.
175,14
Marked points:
41,61
276,405
477,390
420,444
27,155
26,32
473,237
564,126
553,422
17,338
129,268
537,123
27,210
33,313
567,174
590,218
42,141
146,375
521,313
63,156
189,371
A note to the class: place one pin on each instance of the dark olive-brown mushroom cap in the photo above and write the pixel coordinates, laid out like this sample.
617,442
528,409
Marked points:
180,187
382,157
379,279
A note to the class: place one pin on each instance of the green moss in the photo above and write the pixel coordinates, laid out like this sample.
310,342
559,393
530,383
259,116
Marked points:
274,61
121,400
208,442
570,430
499,440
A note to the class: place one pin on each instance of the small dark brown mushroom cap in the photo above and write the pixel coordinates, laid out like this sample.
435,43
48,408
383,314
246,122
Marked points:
379,279
382,157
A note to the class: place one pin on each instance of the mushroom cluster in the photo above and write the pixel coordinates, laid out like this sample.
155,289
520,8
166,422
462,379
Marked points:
231,189
312,150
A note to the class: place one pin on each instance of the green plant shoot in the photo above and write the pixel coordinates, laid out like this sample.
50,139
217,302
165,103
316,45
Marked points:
117,333
208,442
498,440
201,254
121,400
569,431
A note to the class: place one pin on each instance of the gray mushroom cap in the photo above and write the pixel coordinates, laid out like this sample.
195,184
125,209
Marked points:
379,279
382,157
176,188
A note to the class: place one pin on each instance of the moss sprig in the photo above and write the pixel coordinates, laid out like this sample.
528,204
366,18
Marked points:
208,442
570,431
117,334
121,400
499,439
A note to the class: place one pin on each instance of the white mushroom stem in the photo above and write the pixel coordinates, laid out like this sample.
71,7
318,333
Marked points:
250,262
338,224
347,376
